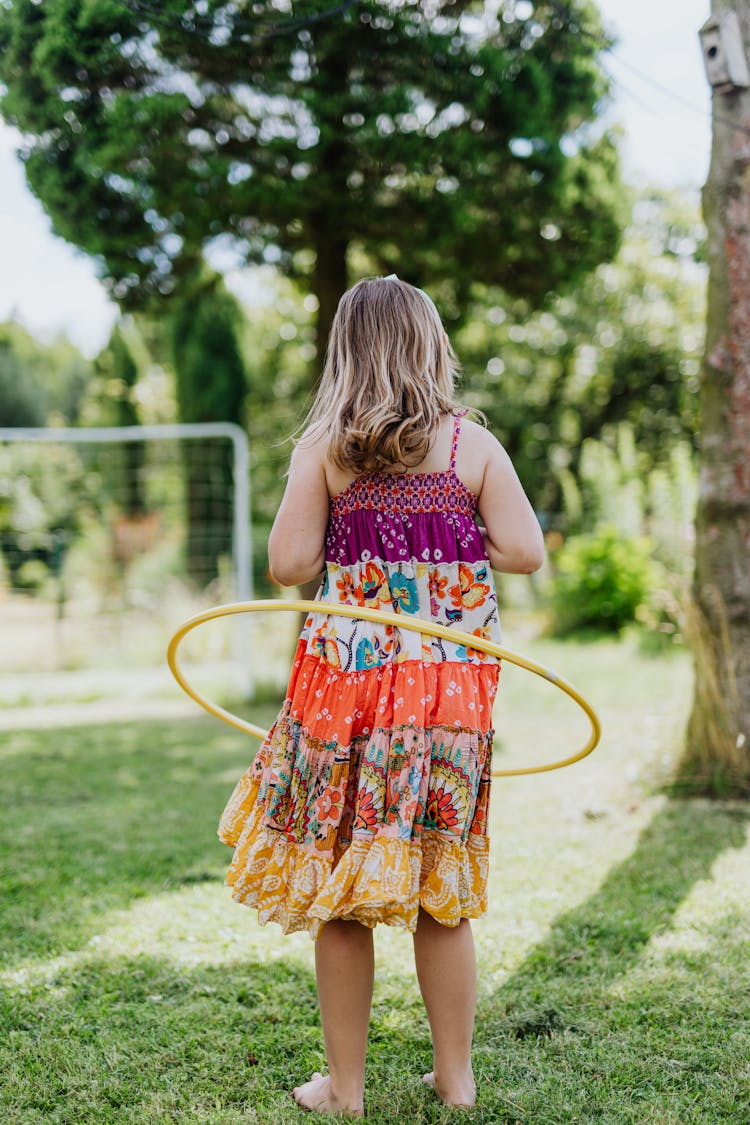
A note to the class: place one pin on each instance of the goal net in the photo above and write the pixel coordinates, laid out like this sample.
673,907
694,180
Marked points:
109,538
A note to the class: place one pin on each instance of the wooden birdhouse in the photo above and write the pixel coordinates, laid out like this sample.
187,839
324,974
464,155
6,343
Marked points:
724,53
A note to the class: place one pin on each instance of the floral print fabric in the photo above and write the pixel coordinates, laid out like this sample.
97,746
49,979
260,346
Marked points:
369,796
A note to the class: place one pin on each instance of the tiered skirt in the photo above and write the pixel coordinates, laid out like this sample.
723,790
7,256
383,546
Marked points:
368,798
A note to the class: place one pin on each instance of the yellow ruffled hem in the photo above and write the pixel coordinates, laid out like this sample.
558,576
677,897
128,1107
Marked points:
379,879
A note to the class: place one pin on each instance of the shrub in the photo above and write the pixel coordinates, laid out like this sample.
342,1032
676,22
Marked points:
600,580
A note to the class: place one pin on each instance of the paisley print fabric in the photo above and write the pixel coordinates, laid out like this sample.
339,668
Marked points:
369,797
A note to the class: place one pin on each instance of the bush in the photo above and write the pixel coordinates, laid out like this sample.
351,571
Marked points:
601,579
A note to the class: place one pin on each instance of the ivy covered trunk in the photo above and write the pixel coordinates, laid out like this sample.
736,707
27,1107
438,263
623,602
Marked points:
717,756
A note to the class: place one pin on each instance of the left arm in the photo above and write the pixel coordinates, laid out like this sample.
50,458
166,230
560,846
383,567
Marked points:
296,546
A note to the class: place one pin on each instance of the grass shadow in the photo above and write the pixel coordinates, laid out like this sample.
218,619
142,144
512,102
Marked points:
612,1031
95,817
595,1025
141,1040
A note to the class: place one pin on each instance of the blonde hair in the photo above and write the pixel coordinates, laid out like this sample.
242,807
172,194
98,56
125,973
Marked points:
388,377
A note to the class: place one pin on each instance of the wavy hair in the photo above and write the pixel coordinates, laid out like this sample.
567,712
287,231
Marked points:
388,377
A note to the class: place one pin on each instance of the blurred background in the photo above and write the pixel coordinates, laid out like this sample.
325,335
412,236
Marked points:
187,189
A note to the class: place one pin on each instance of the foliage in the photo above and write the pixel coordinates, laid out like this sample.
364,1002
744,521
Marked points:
134,490
278,343
624,347
533,387
114,386
39,382
202,335
670,504
20,404
112,397
211,387
618,491
601,580
48,491
447,143
41,503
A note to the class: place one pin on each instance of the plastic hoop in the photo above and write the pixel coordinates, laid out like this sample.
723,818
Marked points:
416,625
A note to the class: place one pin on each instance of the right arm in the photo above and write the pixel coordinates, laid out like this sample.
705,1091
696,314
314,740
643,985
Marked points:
296,546
511,532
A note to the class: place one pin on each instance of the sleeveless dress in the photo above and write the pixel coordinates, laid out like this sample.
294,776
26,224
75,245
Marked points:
369,796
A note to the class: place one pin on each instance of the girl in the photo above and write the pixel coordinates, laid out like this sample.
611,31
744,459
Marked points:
368,800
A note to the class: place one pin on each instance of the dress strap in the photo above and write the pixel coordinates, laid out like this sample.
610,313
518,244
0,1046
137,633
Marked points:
456,433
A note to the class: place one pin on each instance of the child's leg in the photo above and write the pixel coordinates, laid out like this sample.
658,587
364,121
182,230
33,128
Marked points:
344,969
446,969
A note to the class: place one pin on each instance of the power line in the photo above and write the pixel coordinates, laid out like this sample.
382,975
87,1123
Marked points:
613,78
659,86
603,45
678,97
628,92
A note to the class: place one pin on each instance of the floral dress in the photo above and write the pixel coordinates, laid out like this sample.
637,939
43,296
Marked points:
369,796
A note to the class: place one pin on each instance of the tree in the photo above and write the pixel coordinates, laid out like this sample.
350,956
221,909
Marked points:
446,144
39,382
117,375
623,348
717,756
20,402
211,386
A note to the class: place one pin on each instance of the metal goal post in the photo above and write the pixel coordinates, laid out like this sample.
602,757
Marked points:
241,526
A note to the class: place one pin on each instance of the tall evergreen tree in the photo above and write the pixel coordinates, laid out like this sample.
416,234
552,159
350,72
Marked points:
125,374
211,387
446,143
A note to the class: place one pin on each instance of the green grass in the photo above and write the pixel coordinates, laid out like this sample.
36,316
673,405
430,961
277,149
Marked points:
614,979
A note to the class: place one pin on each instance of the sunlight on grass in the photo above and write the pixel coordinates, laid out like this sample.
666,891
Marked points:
572,825
613,961
714,913
194,926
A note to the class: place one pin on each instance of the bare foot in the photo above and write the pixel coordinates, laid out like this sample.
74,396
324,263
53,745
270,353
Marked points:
316,1094
459,1095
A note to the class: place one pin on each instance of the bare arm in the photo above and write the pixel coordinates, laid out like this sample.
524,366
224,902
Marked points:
296,546
511,531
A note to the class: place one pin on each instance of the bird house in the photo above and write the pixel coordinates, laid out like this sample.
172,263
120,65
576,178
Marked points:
724,52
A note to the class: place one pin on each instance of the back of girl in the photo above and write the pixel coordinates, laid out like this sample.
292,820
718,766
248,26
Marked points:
368,801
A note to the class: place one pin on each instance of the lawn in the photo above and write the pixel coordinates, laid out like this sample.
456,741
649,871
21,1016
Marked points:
614,962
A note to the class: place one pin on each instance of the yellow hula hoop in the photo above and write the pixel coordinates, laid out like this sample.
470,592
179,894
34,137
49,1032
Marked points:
416,625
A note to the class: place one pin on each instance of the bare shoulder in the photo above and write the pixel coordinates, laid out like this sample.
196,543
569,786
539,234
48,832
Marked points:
310,451
477,449
475,433
313,441
312,455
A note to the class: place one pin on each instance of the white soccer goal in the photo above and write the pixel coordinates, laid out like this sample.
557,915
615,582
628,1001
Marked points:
108,536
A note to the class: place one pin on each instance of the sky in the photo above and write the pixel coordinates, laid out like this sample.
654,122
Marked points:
660,97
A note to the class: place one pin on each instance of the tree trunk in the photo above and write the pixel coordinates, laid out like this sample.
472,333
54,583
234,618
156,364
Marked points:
717,756
329,283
